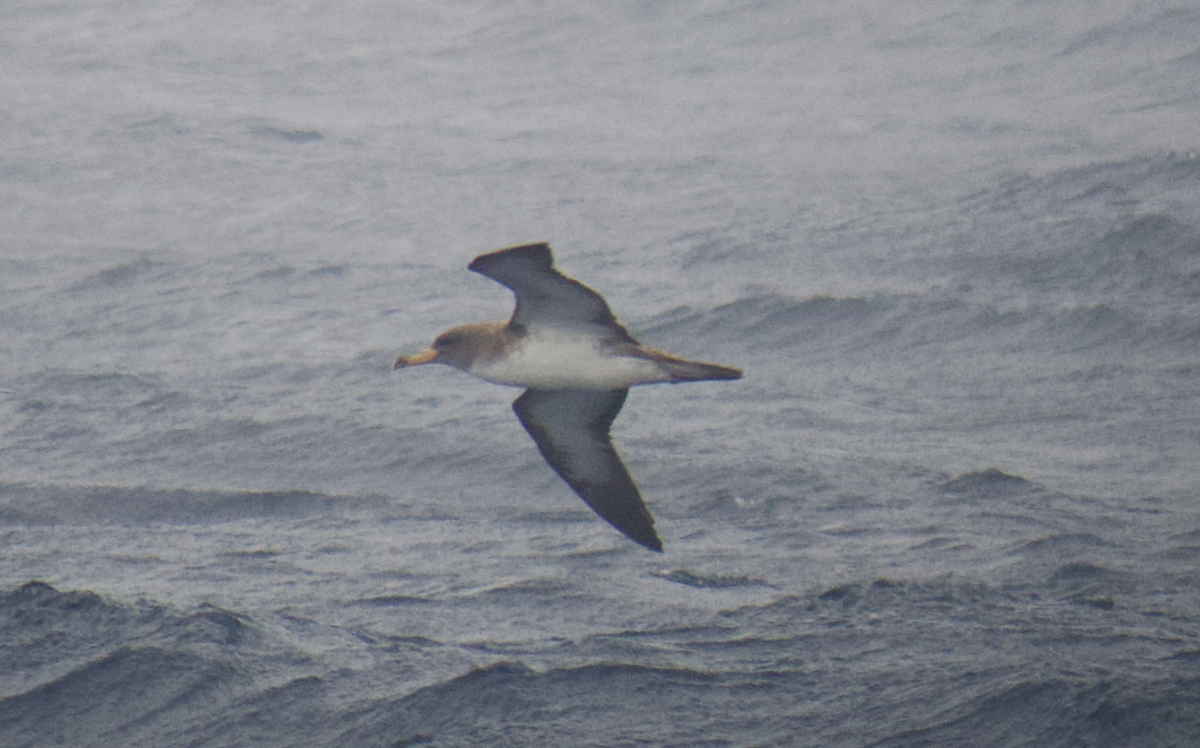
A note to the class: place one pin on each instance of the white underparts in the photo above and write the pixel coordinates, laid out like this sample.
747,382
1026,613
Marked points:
567,362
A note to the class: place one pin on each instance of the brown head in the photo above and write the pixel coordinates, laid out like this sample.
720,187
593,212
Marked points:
462,346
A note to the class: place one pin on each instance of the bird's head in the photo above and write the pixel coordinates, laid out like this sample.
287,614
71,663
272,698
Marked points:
458,347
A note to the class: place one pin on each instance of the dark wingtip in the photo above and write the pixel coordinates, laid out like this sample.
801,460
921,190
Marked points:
640,532
539,253
639,528
644,536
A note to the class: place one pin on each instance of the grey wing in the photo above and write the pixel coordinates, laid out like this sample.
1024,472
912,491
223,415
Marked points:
544,295
571,430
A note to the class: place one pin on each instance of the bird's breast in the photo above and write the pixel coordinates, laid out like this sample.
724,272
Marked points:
567,361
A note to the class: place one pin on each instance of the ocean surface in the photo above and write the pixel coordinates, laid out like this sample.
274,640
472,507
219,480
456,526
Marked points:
954,245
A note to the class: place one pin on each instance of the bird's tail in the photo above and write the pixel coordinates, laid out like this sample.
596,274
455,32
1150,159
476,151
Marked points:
683,370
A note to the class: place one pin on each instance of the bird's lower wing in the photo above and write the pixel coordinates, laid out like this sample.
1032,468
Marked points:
571,430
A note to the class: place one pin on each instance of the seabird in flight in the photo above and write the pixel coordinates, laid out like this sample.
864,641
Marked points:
576,363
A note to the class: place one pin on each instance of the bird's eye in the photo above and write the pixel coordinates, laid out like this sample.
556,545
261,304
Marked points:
445,341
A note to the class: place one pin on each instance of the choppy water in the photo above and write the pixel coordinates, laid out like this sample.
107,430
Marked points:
956,250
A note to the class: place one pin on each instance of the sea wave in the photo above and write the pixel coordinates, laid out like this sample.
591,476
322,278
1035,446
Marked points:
52,504
1102,712
938,322
990,480
85,670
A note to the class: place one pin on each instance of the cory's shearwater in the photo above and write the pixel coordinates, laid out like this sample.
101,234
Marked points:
577,363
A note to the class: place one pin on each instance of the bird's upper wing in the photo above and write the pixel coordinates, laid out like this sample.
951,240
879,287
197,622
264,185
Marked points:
546,297
571,430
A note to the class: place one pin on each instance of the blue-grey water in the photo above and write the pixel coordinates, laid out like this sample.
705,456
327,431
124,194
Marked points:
954,245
